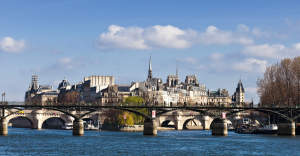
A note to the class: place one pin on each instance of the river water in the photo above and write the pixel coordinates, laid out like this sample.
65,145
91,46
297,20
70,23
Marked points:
61,142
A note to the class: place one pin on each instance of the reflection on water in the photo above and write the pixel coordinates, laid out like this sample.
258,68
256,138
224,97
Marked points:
61,142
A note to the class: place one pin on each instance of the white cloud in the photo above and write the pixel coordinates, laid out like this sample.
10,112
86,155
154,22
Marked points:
65,63
259,33
8,44
296,46
216,56
265,50
213,35
120,37
189,60
158,36
251,65
272,50
144,38
167,37
65,60
243,28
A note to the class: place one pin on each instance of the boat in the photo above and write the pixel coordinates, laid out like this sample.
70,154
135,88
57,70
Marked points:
230,127
68,126
245,129
267,129
90,126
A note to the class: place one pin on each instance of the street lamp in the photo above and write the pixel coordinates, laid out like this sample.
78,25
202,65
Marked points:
3,98
298,77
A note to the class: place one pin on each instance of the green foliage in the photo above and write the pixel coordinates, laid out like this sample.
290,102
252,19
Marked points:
134,100
117,117
125,118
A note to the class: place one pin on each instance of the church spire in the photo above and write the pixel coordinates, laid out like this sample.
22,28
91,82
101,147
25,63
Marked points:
176,70
150,69
240,87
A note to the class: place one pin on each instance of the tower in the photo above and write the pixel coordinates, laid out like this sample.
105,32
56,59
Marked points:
150,70
240,93
34,83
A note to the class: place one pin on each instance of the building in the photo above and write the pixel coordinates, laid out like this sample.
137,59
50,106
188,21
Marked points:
219,98
39,94
238,97
115,94
99,82
103,90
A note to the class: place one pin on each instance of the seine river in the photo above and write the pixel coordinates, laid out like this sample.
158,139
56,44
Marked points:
61,142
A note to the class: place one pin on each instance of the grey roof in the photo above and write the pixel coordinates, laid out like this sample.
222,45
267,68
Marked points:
124,88
63,84
240,87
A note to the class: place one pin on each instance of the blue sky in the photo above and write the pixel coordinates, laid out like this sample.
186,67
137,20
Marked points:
219,41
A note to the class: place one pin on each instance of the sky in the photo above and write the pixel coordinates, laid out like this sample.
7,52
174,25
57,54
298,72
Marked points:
219,41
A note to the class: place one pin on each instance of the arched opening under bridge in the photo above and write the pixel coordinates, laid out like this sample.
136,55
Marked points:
90,124
258,117
20,122
168,124
54,123
192,124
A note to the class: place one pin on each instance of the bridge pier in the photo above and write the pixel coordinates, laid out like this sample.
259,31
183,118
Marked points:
78,127
206,122
37,124
150,127
3,127
179,125
219,127
288,128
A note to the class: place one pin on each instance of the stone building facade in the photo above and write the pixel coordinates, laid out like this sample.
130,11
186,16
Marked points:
103,90
39,94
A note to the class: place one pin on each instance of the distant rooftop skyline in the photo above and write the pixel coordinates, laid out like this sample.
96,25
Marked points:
219,41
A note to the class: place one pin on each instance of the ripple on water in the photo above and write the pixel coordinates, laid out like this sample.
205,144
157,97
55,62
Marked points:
61,142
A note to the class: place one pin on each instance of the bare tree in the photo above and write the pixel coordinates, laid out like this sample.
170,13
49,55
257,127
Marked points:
279,86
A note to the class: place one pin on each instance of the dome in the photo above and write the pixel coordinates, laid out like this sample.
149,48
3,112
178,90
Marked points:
64,84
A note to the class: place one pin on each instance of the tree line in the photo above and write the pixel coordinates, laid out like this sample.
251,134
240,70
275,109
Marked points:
280,85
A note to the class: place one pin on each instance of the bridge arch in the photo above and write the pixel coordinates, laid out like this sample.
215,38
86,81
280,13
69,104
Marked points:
216,120
20,121
168,123
53,123
201,112
194,122
263,111
296,117
117,108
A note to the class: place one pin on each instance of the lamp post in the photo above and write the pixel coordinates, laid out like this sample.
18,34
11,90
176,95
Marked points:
298,90
3,98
